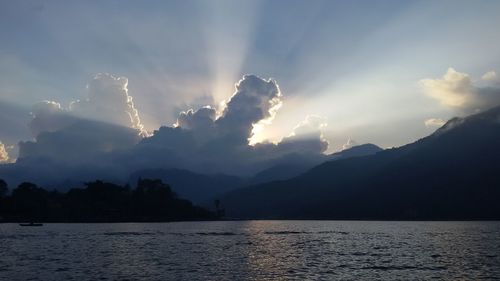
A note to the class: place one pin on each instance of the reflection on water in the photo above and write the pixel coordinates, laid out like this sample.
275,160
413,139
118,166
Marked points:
252,250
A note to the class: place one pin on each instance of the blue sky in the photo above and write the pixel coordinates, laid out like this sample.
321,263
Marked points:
358,64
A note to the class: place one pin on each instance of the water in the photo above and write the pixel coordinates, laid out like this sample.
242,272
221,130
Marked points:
252,250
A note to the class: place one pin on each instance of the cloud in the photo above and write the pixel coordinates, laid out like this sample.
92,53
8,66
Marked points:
490,76
4,156
200,119
311,126
48,116
108,101
255,101
80,141
96,133
349,144
219,141
307,137
457,90
434,122
105,121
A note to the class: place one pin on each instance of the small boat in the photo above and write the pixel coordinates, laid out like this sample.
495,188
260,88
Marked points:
31,224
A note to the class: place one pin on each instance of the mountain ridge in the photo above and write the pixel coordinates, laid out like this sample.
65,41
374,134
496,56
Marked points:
428,179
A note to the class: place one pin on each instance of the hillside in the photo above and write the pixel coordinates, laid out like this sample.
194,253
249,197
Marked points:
451,174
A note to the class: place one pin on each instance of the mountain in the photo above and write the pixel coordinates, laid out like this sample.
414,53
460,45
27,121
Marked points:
203,188
296,167
451,174
199,188
355,151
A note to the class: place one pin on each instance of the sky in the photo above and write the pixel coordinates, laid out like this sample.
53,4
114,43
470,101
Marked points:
382,72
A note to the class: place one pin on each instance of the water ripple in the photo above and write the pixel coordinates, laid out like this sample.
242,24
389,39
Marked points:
252,250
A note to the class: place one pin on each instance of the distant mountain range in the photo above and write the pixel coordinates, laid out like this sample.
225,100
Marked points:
452,174
204,188
296,167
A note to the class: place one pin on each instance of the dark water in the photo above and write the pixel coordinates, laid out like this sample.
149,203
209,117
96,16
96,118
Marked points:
252,250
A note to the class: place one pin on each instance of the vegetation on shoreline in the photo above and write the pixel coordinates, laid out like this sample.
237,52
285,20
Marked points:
150,201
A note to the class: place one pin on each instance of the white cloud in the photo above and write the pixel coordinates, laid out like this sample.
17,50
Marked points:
457,90
254,102
4,156
311,126
350,143
434,122
105,121
221,141
307,137
108,101
490,76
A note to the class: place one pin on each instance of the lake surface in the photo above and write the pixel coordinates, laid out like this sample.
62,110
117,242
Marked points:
252,250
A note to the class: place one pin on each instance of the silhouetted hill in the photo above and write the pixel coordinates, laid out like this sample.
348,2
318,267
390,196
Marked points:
280,172
355,151
198,188
203,188
451,174
297,167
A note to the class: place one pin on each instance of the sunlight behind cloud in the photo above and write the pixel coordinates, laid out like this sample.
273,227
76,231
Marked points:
228,29
4,156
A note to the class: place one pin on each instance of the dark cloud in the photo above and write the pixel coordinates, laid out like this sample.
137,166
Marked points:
220,142
48,116
79,141
104,131
201,118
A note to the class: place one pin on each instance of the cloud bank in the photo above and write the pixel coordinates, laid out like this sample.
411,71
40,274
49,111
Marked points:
207,140
459,91
104,132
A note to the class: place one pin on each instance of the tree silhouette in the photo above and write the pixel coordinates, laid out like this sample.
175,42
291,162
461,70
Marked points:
100,201
3,188
31,200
